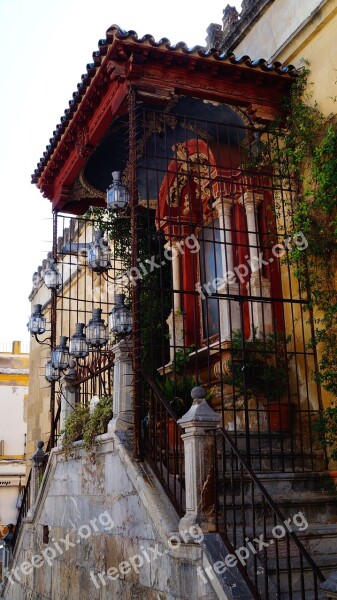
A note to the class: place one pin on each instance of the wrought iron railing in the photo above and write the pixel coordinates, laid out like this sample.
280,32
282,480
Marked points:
26,501
255,530
163,444
24,508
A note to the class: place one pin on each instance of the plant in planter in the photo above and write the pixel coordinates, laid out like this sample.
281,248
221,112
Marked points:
259,368
74,427
97,424
86,426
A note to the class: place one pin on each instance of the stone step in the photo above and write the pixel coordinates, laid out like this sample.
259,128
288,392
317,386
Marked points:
317,539
277,451
279,483
326,563
277,460
316,507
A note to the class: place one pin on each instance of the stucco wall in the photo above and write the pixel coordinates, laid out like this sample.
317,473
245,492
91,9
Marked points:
277,24
75,493
13,388
290,31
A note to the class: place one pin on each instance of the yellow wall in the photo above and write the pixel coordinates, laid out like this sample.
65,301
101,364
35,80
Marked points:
291,30
14,377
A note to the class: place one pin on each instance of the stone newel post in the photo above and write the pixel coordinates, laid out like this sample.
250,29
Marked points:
199,463
122,390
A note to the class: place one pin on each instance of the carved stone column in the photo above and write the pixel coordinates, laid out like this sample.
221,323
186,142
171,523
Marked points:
229,309
199,463
122,419
261,313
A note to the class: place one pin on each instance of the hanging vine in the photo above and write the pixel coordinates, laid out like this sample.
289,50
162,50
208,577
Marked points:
307,148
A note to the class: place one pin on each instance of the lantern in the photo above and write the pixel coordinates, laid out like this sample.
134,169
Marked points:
120,317
96,330
37,322
79,345
117,194
60,354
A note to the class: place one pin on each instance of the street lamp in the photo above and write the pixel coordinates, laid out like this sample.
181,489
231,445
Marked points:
99,253
52,277
60,354
117,194
79,345
51,374
96,330
120,319
37,322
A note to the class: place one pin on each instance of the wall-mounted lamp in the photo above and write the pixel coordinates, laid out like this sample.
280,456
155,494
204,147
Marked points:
120,320
117,194
52,277
37,322
60,354
79,345
99,253
96,330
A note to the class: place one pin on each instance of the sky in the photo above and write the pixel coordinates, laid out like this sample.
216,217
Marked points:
45,46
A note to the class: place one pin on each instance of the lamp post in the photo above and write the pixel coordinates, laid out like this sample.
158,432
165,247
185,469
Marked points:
79,345
37,322
96,330
117,194
120,319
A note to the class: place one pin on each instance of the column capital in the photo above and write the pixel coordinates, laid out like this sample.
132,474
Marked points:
251,201
172,243
223,205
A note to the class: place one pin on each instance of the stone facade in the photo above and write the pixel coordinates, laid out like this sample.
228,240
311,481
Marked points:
132,517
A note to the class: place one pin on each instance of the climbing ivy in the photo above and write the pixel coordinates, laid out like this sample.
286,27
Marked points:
307,149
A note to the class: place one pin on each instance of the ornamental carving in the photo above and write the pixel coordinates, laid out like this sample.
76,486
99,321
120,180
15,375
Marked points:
195,166
84,149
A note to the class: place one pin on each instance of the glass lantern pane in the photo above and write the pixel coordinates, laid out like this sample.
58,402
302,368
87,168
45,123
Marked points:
97,334
79,347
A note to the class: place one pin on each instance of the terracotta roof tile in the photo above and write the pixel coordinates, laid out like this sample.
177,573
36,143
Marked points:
115,32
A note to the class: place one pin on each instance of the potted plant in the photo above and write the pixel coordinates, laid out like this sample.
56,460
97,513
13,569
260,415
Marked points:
259,367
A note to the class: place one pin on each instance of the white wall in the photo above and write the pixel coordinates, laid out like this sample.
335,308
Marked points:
275,27
12,425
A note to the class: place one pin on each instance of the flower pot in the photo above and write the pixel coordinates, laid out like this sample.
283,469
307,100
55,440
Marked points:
279,416
168,431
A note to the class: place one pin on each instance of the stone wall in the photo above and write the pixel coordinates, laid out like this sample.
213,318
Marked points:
78,502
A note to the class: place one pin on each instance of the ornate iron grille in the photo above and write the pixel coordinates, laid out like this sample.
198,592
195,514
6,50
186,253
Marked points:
218,302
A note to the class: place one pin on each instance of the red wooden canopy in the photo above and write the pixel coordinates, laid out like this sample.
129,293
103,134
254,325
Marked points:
157,71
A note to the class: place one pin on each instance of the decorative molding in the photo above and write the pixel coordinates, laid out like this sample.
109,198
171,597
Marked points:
84,149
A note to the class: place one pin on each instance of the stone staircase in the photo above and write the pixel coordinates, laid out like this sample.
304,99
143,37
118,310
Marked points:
308,505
